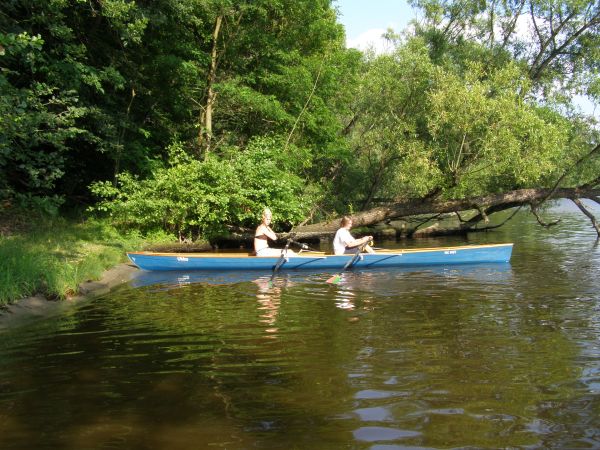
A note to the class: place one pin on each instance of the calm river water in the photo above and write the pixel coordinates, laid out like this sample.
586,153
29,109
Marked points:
482,356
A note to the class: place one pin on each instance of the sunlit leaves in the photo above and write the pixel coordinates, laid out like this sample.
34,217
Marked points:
201,198
558,41
486,138
389,108
454,131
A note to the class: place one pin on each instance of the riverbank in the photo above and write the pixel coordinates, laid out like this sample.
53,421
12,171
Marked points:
55,256
40,307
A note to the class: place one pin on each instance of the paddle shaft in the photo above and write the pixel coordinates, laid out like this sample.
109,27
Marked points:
282,258
303,246
337,277
350,263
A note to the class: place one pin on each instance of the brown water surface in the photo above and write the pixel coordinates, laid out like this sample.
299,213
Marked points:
483,356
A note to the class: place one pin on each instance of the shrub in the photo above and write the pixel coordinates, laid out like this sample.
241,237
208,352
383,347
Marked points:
193,197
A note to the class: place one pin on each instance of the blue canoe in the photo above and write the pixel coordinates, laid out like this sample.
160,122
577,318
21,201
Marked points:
471,254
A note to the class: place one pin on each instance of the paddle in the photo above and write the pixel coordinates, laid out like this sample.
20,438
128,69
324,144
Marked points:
281,261
338,276
303,246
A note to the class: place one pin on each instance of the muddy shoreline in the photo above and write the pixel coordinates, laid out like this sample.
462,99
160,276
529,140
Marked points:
38,306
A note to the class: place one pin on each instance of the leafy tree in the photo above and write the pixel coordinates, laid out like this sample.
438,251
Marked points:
557,41
194,198
91,89
485,138
389,111
52,84
427,128
495,112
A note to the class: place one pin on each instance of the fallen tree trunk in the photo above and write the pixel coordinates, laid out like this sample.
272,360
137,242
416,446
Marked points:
486,205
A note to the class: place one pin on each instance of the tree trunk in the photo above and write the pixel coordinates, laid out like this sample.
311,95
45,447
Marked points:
486,205
205,133
489,204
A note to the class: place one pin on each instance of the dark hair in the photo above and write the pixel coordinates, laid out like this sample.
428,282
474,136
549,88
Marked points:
345,221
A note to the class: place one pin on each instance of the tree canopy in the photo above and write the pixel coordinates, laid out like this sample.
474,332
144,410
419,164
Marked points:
192,115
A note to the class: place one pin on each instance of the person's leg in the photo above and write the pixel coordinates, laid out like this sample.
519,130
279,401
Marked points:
268,251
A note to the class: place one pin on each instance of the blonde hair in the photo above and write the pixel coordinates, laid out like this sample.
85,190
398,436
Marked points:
267,212
345,221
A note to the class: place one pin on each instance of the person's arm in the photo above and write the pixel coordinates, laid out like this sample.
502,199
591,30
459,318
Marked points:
357,242
271,234
264,229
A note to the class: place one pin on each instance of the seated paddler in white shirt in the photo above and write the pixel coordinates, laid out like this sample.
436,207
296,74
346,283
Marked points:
344,242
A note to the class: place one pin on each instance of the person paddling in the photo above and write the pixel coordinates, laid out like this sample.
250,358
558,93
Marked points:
344,242
263,234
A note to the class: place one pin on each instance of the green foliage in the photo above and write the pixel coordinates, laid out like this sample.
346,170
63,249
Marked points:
485,138
391,104
194,197
54,256
432,127
97,92
36,123
90,89
557,42
54,78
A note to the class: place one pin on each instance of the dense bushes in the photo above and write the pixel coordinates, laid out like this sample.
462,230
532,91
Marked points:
192,198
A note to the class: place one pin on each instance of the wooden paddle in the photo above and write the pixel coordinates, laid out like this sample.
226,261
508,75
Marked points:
338,276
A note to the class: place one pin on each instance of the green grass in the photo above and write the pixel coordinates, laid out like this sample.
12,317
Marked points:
54,256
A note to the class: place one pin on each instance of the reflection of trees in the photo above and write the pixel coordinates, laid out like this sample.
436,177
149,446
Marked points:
471,366
175,368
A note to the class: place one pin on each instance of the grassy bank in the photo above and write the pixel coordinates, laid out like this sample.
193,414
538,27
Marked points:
53,256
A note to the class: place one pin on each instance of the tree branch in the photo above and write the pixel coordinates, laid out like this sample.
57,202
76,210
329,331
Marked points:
491,227
562,177
536,74
460,219
539,219
413,207
310,96
512,25
584,210
482,213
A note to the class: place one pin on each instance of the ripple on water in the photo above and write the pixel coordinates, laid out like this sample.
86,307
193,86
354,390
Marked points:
478,356
370,394
374,414
376,434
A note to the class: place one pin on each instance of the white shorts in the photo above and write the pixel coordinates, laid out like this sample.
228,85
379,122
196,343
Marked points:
268,251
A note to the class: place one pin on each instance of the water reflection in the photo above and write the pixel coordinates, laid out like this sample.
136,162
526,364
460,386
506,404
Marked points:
269,299
175,278
365,279
484,356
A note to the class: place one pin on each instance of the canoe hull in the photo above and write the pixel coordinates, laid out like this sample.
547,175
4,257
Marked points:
494,253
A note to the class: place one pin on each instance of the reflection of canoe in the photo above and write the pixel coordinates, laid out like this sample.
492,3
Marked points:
491,273
472,254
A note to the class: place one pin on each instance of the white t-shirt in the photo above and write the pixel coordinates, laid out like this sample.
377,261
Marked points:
341,240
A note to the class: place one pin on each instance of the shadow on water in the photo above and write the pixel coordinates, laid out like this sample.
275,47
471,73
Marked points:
169,377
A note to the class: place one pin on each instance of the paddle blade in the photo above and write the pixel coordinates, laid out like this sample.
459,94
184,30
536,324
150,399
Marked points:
335,279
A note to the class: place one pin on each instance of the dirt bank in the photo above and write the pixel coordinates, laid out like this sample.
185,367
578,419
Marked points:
39,307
